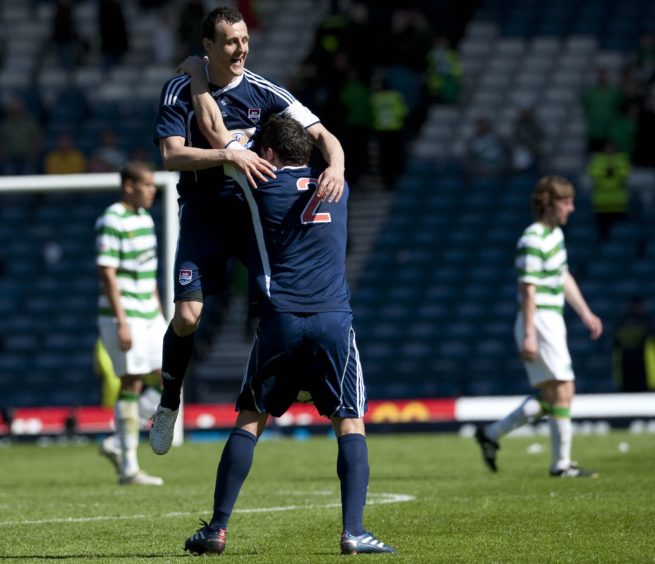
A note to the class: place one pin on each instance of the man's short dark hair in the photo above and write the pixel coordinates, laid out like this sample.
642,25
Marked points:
221,14
288,138
134,171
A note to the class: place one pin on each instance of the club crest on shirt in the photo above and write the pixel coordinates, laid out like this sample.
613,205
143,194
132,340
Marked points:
254,114
184,276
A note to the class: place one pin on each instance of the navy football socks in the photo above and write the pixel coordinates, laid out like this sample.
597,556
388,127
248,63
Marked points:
175,361
353,472
233,469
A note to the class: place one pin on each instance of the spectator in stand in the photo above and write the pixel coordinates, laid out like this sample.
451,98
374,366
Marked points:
358,38
645,135
141,153
328,42
350,31
643,59
444,72
21,139
164,38
108,157
248,8
355,100
64,157
411,39
601,102
632,90
389,121
634,348
527,142
623,129
609,171
487,154
113,32
188,31
64,35
52,254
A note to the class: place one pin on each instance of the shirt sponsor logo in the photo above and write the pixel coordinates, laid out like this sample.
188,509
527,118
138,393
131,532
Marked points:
185,276
254,114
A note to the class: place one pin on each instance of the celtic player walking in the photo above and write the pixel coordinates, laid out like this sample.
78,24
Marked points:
130,318
544,286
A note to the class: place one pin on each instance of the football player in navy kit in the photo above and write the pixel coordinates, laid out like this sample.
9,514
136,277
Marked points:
305,341
214,221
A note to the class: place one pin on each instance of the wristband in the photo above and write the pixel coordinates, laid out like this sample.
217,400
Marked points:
239,146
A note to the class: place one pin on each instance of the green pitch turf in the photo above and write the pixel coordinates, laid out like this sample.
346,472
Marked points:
429,495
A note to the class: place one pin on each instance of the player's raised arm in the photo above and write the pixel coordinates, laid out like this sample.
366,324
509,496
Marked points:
208,115
210,122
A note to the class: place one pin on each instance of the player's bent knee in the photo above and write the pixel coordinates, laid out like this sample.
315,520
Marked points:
186,318
347,425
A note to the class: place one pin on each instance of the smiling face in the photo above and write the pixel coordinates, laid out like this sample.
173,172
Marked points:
227,52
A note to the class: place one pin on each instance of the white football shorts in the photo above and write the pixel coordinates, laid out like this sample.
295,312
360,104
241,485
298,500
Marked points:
554,360
147,343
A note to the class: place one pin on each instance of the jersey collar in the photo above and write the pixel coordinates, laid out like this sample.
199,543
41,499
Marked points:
227,88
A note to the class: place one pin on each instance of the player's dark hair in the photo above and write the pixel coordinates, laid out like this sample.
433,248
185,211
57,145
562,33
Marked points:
288,138
549,189
225,14
134,171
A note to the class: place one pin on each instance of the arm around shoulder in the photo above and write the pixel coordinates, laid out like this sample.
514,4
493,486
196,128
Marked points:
175,155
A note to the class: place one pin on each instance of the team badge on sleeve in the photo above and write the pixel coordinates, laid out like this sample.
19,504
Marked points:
184,276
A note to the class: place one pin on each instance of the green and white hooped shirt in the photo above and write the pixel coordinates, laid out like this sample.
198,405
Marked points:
541,260
126,240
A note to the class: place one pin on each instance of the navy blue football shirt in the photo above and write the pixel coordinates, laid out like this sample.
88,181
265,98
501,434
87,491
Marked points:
245,104
300,262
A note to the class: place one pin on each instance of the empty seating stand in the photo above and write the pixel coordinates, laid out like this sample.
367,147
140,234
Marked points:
435,310
49,302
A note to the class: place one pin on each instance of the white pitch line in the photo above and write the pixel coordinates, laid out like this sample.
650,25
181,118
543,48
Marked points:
372,499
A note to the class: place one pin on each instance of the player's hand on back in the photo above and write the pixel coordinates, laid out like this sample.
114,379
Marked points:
330,184
252,165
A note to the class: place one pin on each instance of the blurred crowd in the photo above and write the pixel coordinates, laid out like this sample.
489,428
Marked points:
372,73
375,68
24,120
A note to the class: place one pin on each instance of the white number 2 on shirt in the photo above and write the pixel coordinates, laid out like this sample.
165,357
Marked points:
309,214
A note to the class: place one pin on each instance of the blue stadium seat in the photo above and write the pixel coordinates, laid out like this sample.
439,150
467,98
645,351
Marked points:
12,366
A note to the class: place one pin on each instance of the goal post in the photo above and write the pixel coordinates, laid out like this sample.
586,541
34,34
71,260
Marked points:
106,181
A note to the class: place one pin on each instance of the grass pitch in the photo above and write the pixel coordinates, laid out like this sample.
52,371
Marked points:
429,495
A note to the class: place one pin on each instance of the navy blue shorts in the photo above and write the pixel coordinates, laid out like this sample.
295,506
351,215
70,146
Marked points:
296,352
210,235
